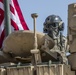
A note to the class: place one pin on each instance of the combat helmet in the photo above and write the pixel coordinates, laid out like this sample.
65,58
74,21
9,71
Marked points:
53,23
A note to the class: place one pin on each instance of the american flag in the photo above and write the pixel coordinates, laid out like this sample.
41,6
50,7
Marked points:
16,18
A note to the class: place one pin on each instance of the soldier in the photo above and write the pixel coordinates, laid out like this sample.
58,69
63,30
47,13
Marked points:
54,26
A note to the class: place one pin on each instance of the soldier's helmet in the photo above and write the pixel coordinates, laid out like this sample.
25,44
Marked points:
53,22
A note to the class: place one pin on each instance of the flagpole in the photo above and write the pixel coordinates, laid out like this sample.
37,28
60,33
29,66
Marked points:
7,17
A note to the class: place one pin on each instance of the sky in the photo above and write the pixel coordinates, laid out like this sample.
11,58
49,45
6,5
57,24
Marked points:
44,8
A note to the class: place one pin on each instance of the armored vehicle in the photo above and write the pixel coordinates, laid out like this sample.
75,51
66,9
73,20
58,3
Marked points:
27,52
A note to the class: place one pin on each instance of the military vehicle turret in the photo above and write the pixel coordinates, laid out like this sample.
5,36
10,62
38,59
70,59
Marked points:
41,53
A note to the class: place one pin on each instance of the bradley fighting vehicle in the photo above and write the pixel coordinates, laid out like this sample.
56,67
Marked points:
35,53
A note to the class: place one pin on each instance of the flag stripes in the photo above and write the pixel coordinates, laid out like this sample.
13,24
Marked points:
16,5
16,18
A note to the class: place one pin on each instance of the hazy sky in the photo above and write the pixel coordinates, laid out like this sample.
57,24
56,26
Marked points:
44,8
